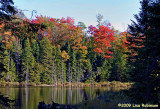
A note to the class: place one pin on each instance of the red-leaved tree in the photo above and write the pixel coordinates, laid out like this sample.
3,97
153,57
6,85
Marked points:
103,37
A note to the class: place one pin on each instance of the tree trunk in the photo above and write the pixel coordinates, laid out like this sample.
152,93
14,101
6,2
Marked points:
77,75
62,72
69,72
9,60
52,72
55,76
27,74
71,76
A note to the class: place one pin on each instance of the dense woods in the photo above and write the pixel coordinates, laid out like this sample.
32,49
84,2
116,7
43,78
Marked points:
48,50
45,49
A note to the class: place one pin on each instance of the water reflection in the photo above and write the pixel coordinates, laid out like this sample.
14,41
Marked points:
29,97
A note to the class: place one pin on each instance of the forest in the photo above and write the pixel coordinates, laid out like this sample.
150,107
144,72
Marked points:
48,50
40,49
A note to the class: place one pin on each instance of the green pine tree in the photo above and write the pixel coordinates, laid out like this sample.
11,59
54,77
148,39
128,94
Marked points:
11,75
145,35
35,73
46,60
16,54
35,50
28,60
73,67
58,60
68,65
4,61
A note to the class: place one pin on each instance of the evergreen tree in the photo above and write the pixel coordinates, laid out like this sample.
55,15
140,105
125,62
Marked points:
74,67
35,50
65,57
1,58
119,66
99,19
46,60
138,32
11,74
35,73
119,62
88,75
5,61
7,10
54,70
28,60
145,35
92,56
58,61
106,70
68,73
16,54
63,72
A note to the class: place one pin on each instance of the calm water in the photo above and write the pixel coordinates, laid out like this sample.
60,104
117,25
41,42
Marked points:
28,98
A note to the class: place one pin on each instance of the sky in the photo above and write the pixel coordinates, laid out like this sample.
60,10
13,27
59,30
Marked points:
118,12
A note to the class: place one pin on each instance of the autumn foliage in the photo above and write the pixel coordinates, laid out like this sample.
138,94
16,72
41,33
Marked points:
62,31
103,37
64,47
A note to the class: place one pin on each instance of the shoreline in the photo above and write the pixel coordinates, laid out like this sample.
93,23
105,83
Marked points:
67,84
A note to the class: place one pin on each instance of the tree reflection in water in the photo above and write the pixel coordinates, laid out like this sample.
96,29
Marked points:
29,98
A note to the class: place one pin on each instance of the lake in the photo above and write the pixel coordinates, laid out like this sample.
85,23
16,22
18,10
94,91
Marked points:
28,98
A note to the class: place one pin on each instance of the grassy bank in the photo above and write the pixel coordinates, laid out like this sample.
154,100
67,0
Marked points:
67,84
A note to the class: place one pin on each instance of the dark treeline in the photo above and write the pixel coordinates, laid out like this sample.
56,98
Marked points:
145,34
